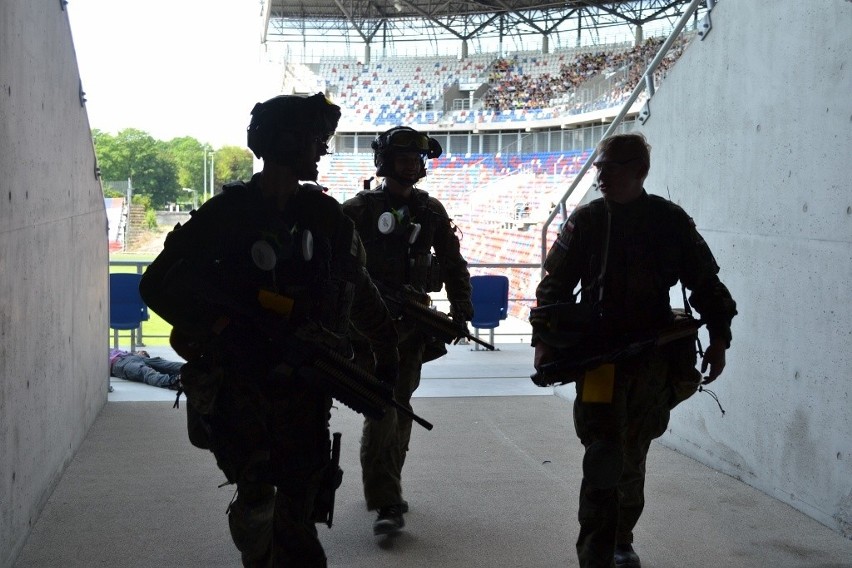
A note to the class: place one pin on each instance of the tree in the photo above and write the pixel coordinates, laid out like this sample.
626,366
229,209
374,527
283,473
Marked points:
188,156
133,154
160,169
232,163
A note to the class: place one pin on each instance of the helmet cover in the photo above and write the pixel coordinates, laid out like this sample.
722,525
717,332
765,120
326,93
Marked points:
281,125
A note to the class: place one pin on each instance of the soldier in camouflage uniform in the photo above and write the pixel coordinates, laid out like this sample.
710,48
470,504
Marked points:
620,409
411,241
287,246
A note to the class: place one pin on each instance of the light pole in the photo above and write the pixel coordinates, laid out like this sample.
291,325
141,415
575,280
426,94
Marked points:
212,171
194,196
204,171
207,151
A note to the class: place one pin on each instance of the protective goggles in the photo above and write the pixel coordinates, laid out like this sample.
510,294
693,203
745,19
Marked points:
409,140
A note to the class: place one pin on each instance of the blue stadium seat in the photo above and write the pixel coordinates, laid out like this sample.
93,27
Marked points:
127,311
490,297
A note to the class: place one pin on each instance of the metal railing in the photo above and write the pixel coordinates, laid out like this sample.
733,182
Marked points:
646,82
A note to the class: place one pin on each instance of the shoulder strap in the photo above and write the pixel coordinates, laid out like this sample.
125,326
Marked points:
604,252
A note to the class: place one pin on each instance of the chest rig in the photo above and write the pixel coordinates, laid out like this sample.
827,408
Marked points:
399,240
289,258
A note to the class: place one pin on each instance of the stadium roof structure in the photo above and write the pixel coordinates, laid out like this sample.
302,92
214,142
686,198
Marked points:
566,23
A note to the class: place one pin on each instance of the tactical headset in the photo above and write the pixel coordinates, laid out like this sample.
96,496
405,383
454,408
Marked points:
402,139
282,125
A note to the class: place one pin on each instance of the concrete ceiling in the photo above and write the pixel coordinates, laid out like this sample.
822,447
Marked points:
369,21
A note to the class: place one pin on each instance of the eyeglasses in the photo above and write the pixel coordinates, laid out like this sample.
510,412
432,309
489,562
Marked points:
613,165
322,139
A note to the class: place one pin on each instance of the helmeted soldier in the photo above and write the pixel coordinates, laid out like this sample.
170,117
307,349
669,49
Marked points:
411,243
626,251
272,256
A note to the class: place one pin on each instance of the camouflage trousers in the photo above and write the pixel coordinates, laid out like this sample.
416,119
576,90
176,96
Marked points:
617,436
272,440
384,443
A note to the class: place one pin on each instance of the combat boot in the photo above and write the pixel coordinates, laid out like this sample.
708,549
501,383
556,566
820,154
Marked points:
389,521
626,557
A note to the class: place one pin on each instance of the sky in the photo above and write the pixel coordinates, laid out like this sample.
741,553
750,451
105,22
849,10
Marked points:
173,67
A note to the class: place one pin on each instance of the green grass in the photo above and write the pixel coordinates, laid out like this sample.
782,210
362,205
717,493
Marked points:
155,331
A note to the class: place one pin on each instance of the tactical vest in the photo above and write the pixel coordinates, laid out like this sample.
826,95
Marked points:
312,262
297,263
403,255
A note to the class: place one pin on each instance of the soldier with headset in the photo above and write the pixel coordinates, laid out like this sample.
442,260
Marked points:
287,246
411,243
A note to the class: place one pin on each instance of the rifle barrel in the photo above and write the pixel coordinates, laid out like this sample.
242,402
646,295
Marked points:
423,422
480,342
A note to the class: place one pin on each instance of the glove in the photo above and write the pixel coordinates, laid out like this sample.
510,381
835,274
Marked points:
460,316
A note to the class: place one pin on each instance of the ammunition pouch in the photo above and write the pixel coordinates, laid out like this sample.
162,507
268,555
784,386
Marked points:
682,355
435,348
434,283
201,382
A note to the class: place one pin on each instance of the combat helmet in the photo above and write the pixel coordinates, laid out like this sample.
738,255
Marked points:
403,139
281,126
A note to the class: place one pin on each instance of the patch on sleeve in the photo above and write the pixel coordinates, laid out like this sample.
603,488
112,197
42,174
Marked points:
565,234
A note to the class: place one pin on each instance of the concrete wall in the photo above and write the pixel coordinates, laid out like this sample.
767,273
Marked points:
53,265
752,135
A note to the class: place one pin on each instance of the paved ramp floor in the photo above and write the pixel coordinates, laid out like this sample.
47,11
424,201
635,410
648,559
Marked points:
493,485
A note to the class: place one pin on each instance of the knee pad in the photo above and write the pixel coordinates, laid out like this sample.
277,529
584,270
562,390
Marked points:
602,464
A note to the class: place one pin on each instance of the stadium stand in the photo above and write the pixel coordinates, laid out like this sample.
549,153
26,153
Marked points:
498,204
528,86
499,199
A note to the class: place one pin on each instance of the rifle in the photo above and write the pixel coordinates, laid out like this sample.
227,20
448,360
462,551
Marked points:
306,352
341,378
414,307
596,351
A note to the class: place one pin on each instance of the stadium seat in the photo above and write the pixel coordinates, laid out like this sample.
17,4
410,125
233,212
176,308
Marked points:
127,311
490,297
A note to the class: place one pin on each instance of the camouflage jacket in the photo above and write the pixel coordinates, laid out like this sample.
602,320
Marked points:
653,243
